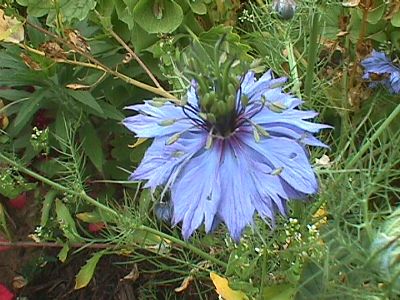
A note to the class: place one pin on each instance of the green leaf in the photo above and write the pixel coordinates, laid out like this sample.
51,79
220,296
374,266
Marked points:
111,112
48,201
87,99
62,255
156,16
86,272
25,115
396,19
279,292
198,7
67,223
92,145
69,9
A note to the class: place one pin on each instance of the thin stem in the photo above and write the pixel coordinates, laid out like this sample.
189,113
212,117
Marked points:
101,66
139,61
57,186
29,244
373,138
312,55
185,245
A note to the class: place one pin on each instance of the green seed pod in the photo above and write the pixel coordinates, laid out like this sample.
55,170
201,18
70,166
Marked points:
211,118
231,89
205,101
230,103
221,108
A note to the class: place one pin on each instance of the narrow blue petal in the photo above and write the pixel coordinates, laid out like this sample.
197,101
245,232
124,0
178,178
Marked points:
291,117
295,133
149,122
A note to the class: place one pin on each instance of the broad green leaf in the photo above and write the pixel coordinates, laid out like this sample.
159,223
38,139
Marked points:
25,115
279,292
198,6
85,98
124,10
67,223
13,95
69,9
62,255
86,272
156,16
92,145
396,19
111,112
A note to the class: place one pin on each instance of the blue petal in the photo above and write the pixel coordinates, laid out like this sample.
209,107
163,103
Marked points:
197,192
191,94
237,188
149,122
162,162
291,117
295,133
378,63
290,157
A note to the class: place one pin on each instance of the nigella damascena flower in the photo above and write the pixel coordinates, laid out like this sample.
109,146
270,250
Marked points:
380,70
225,160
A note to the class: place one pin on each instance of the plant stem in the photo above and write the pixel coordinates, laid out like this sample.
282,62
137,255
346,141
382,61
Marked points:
139,61
373,138
185,245
159,91
312,55
57,186
29,244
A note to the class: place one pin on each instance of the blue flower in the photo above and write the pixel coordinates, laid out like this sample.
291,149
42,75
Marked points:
226,170
378,63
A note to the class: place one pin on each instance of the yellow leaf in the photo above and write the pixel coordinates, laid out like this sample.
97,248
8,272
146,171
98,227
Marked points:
11,30
85,274
223,289
138,142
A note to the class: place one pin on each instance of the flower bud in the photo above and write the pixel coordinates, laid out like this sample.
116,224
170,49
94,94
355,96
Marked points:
163,211
284,8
